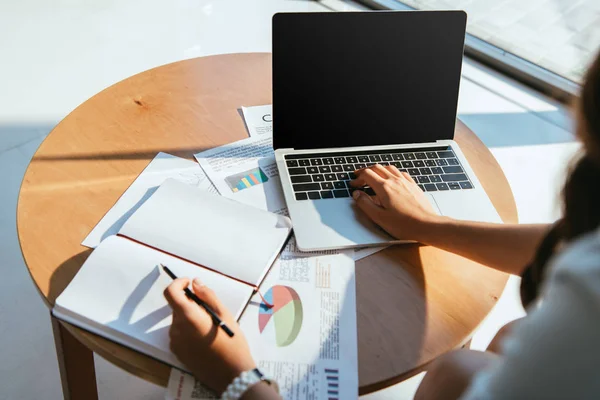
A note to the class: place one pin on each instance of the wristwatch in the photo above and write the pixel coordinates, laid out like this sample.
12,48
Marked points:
245,381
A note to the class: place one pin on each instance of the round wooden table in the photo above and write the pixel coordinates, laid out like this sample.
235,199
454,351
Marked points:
414,302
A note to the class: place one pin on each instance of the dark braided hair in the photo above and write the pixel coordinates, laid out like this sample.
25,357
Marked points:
581,193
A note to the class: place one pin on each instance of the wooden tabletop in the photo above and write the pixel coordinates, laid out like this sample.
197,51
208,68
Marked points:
414,302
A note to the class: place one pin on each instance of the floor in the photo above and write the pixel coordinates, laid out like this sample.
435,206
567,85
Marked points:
56,55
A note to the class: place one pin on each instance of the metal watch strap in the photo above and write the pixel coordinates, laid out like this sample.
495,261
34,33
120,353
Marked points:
245,381
266,379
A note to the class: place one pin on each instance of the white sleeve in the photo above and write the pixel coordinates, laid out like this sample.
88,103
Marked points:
553,353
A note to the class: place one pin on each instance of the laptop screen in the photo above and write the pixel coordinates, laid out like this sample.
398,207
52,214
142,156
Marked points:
365,78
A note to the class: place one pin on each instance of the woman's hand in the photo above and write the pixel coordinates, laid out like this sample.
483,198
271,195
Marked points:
399,206
404,211
212,356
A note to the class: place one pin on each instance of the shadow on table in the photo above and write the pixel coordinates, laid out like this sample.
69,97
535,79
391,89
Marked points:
183,152
118,224
62,276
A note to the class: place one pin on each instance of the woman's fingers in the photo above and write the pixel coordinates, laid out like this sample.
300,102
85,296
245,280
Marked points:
376,200
185,309
367,177
382,171
375,177
368,206
407,176
207,295
394,171
175,295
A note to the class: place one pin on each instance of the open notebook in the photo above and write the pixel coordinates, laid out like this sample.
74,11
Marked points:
118,292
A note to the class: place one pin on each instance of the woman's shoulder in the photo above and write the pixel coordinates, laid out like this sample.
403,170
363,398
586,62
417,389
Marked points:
578,263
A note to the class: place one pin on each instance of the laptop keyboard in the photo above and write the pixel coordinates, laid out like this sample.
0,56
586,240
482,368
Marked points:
328,175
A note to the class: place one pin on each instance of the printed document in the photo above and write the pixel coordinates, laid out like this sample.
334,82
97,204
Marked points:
357,254
307,342
259,119
162,167
246,171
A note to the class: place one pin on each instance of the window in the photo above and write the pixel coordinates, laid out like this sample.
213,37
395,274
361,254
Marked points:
551,40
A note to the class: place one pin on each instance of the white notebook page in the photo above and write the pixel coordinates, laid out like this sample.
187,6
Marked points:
229,237
118,293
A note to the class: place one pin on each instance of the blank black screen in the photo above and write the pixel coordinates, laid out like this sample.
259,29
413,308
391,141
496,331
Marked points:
365,78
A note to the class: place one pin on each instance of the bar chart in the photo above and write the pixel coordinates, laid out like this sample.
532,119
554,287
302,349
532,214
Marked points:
246,179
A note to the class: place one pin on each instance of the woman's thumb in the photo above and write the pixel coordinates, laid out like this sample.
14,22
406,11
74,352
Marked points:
367,205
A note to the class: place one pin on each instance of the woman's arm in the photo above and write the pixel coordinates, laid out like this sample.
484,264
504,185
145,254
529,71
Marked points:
505,247
402,209
214,358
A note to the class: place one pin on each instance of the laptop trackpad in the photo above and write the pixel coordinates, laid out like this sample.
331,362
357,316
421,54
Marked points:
434,204
327,224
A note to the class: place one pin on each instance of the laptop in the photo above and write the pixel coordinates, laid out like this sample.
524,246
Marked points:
357,88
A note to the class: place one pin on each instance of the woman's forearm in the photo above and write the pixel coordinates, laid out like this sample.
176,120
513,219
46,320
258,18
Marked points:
505,247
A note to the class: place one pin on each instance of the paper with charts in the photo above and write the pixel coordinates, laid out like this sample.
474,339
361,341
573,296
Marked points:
246,171
307,342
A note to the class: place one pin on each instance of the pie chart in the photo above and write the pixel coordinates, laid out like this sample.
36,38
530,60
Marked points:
285,317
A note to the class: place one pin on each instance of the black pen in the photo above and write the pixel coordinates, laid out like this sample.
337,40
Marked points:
202,304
